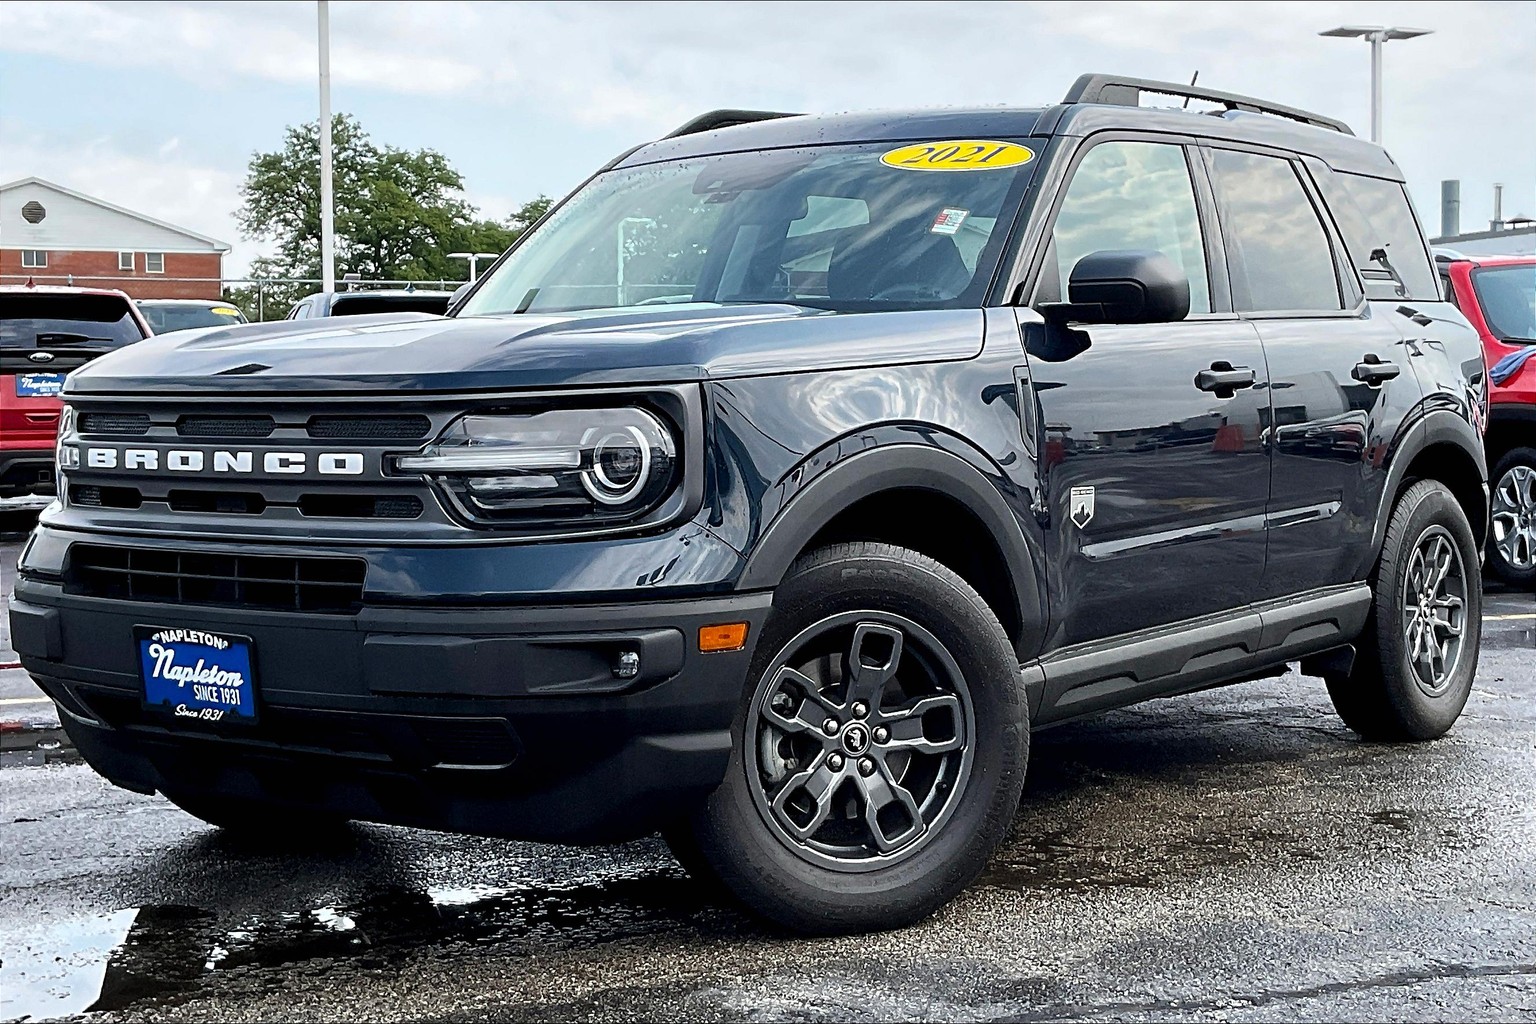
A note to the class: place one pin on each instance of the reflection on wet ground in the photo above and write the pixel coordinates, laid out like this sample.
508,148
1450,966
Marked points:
162,954
119,903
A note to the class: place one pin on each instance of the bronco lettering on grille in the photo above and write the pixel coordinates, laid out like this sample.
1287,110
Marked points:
191,460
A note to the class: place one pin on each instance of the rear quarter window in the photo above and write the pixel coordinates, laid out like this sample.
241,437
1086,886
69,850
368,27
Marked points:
1375,213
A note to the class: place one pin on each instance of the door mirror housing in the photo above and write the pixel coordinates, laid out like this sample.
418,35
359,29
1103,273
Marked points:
1124,286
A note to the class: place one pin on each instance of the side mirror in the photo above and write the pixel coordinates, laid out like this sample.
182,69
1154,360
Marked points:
1125,286
458,294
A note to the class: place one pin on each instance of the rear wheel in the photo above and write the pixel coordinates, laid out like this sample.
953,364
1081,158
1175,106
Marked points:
1512,529
1417,657
880,749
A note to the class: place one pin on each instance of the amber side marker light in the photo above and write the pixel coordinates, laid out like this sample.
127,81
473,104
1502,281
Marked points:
727,636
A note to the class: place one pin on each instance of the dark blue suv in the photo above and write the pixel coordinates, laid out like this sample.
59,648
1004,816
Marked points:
777,484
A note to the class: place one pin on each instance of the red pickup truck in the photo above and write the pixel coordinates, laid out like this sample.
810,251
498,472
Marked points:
1498,296
45,332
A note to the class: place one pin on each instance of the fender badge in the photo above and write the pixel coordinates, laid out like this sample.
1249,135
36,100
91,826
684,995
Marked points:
41,357
1082,506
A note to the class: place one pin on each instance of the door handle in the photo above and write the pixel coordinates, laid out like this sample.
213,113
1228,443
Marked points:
1223,376
1371,370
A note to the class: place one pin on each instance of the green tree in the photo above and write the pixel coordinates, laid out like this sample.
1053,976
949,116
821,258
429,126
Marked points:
398,214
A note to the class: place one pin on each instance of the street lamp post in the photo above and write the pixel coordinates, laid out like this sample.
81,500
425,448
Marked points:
474,261
1376,35
327,196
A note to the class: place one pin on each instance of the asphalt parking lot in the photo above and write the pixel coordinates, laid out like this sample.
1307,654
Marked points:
1232,855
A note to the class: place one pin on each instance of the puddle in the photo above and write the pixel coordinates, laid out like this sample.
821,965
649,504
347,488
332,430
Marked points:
63,977
162,954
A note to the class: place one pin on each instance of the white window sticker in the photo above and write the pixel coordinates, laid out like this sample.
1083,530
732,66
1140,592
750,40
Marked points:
949,221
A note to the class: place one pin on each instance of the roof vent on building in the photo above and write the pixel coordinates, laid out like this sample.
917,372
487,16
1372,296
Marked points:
33,212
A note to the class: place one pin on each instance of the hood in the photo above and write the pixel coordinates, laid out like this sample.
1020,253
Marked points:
412,352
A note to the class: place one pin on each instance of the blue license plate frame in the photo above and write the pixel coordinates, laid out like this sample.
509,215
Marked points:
197,676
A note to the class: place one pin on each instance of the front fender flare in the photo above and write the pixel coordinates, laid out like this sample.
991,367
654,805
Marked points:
902,466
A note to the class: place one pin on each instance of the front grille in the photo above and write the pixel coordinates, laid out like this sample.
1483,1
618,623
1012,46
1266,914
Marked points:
132,423
274,582
385,428
105,497
225,426
360,506
227,434
246,503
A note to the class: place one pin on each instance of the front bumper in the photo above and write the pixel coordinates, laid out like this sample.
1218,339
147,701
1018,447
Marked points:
502,721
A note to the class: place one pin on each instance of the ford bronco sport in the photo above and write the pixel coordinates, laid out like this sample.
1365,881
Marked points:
777,484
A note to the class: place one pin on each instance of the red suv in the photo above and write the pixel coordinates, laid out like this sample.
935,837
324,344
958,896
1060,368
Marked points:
1498,296
44,333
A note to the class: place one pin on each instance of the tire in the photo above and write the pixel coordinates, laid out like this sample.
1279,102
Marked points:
260,823
1512,529
879,822
1410,682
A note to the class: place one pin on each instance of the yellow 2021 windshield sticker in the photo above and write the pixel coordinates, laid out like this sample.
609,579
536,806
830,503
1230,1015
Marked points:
958,155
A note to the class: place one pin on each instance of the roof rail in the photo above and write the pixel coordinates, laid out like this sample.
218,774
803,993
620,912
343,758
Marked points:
725,119
1126,92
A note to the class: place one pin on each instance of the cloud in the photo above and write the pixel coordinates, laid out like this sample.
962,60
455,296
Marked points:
1457,100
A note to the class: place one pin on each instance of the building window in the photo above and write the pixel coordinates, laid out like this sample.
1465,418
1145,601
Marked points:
154,263
125,261
34,259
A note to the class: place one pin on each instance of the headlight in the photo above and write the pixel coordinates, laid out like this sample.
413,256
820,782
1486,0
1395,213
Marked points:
587,465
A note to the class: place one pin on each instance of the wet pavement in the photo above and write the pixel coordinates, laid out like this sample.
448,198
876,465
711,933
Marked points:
1231,855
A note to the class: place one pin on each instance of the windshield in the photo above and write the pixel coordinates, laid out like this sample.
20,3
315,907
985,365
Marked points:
166,318
833,227
1507,296
43,320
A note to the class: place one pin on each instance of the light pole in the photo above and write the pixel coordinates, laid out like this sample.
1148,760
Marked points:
1376,35
474,261
327,198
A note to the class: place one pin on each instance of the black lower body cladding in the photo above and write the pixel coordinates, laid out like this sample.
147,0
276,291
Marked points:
510,721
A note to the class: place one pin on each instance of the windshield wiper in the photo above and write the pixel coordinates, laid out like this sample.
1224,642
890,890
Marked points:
1380,256
65,338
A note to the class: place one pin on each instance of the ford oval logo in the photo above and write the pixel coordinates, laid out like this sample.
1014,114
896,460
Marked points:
41,357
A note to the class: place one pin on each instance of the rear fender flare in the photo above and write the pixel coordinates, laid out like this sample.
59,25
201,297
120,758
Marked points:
1437,427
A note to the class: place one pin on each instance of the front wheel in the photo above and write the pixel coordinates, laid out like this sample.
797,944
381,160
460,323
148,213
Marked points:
880,748
1418,655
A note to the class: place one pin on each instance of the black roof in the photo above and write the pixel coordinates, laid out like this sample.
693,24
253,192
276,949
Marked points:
1095,103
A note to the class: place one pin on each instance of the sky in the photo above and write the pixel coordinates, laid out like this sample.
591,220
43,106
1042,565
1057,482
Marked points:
159,106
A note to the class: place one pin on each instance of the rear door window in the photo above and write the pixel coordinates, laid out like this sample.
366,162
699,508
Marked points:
1277,249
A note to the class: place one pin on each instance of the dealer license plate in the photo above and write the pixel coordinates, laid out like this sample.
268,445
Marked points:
39,385
194,675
